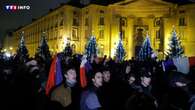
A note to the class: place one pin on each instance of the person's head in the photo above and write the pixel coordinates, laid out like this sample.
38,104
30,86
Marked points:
33,67
97,79
116,59
128,69
70,76
106,75
96,59
131,79
153,69
146,79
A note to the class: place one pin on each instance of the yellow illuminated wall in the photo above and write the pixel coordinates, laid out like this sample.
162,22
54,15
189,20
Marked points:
138,17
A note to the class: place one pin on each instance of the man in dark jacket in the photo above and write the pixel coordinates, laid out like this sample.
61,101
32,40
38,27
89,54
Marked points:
65,93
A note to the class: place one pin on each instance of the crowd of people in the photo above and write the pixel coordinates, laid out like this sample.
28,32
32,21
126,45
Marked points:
109,85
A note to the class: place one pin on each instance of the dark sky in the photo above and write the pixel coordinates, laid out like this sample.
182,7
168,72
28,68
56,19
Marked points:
12,20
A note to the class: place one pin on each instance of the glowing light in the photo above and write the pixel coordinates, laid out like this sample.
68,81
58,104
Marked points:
112,52
65,40
62,43
7,54
10,48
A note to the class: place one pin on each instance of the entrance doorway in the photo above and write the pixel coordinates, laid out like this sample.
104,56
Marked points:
139,36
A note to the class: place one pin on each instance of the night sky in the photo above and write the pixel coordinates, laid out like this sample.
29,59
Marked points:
12,20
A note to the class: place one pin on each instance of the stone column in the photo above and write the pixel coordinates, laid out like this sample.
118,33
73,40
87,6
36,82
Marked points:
130,35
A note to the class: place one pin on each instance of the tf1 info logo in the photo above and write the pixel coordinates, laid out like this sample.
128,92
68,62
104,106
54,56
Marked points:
17,7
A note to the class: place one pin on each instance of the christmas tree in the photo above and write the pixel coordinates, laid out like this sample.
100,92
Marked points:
43,49
175,48
68,50
91,48
120,51
146,50
22,51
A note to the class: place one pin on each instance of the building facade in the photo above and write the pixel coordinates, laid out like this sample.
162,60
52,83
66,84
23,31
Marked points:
134,18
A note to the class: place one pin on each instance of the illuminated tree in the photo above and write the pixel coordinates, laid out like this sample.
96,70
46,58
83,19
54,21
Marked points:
146,50
43,49
175,47
91,48
120,51
22,51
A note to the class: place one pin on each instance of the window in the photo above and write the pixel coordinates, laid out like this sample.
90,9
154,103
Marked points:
101,11
56,25
101,22
75,34
157,22
61,22
75,22
74,12
182,21
48,27
123,34
48,35
101,34
62,14
158,34
182,11
51,36
56,34
123,22
86,34
86,12
86,21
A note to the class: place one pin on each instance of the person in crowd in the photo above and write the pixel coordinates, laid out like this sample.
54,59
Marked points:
179,88
95,62
191,101
26,85
127,70
106,92
106,75
146,85
140,101
133,83
89,99
63,93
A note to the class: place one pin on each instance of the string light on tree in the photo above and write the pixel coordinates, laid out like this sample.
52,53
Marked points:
175,47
